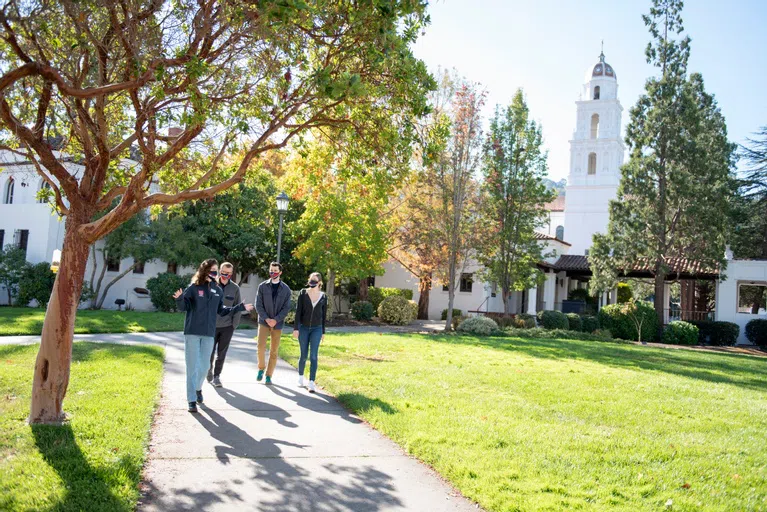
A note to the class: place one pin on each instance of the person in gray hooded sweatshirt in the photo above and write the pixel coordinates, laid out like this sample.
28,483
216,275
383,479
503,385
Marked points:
225,325
203,303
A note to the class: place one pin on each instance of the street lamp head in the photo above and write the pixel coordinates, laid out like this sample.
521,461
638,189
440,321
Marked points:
282,202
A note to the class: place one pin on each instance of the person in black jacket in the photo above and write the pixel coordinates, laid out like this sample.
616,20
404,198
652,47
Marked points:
309,327
203,303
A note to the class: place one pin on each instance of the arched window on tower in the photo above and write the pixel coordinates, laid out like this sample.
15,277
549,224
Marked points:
596,92
595,126
592,163
8,195
560,233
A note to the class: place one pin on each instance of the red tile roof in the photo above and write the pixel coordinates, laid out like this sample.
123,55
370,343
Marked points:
557,205
575,262
543,236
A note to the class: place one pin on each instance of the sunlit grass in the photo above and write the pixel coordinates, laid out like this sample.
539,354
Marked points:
94,462
20,321
558,424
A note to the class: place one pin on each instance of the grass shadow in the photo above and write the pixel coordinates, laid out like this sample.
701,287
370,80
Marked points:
361,404
737,370
87,488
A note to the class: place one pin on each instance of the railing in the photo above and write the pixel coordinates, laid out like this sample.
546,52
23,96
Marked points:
672,315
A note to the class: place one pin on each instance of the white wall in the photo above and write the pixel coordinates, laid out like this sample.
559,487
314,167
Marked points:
738,272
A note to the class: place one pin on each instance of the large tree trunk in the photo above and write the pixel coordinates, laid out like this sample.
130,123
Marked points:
450,293
100,303
51,376
94,301
424,291
363,290
330,290
660,300
506,294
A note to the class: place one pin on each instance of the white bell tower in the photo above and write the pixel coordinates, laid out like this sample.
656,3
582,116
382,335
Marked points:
596,154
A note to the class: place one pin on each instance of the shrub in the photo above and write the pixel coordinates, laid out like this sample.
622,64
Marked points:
396,310
589,323
719,334
363,310
457,321
574,322
624,293
756,332
414,305
527,320
377,295
36,283
680,333
621,320
478,325
456,312
553,320
163,286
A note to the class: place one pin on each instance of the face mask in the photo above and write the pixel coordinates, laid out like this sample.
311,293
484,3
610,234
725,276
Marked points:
213,274
225,277
274,275
313,284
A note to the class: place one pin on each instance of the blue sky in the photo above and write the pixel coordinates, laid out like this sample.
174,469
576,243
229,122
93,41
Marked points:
546,46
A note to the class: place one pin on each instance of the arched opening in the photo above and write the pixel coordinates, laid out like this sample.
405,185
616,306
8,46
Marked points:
42,197
592,163
8,196
596,92
560,233
595,126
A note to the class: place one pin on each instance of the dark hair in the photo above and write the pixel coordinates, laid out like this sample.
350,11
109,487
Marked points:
275,264
203,270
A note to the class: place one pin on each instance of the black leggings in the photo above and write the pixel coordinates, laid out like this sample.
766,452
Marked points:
220,346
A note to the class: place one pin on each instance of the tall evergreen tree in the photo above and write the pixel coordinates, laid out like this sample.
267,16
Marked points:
515,196
676,189
750,237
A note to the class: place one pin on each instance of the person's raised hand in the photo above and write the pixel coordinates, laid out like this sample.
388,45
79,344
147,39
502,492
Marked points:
248,307
295,333
178,293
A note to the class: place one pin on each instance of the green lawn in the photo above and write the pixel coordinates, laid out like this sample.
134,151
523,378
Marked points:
15,321
94,462
563,425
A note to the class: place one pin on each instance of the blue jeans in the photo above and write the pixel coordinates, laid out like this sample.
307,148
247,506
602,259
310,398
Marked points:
197,351
309,337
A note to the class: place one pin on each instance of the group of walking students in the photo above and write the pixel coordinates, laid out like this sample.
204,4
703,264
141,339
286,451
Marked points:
213,306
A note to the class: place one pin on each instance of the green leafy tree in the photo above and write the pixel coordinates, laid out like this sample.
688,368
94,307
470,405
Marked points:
13,264
183,84
514,201
750,236
675,191
36,284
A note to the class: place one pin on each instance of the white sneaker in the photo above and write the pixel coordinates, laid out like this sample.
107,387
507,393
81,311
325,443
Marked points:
312,387
300,381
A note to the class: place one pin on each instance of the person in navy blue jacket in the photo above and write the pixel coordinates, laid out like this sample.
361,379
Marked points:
203,303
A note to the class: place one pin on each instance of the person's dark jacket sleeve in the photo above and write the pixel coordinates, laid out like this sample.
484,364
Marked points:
284,310
226,310
184,301
237,300
260,309
324,311
299,309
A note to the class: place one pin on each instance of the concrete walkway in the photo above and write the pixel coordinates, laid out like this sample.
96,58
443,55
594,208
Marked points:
278,448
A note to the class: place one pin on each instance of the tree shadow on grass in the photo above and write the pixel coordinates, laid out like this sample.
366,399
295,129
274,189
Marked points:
361,403
86,488
737,370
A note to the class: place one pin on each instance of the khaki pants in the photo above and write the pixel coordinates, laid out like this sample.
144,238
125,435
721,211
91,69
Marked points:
263,332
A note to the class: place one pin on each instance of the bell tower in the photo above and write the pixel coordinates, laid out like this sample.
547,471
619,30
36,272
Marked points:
596,155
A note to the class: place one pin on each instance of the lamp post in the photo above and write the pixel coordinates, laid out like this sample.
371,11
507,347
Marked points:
282,207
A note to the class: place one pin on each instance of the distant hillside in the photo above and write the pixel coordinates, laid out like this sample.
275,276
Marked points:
558,186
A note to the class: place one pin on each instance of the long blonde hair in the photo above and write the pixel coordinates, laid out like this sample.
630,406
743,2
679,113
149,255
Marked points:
319,278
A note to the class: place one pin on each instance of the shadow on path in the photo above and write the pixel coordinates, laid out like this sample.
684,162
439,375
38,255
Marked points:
303,400
254,407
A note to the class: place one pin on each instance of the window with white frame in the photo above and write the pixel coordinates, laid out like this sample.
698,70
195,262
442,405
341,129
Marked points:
8,192
752,298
